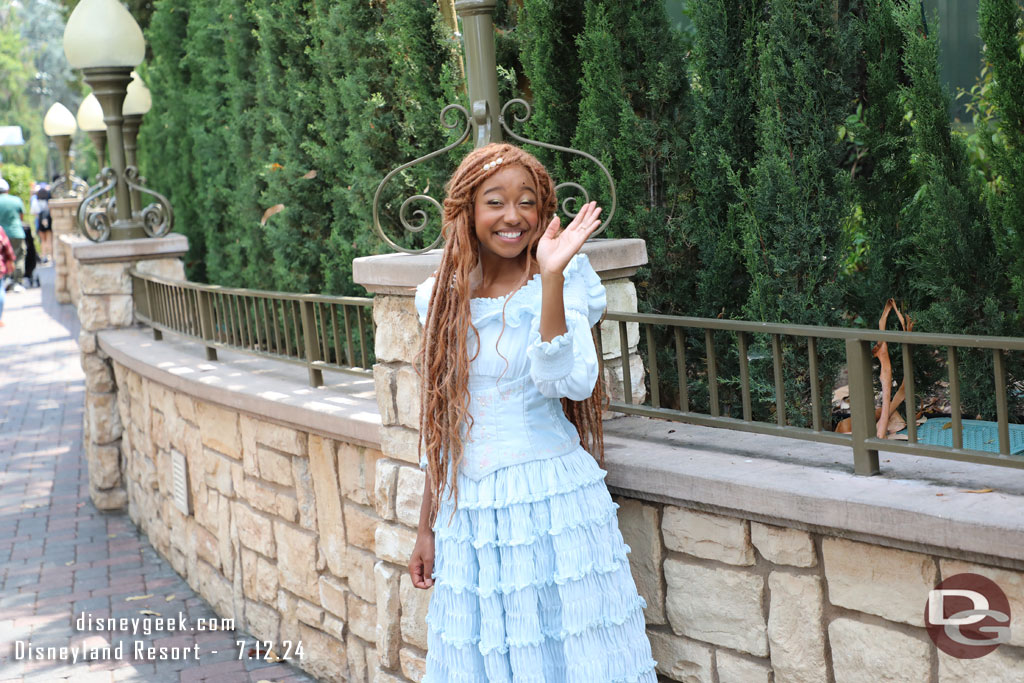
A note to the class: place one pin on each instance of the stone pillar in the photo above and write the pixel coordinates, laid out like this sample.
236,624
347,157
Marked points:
392,278
104,301
65,236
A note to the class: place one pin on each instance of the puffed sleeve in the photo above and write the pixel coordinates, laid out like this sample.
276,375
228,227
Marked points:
566,366
424,290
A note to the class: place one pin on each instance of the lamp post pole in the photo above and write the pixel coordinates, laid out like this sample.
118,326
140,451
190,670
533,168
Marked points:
130,131
63,143
99,140
481,71
110,84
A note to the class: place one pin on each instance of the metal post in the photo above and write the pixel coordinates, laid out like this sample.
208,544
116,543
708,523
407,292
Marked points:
157,334
481,71
309,336
206,323
862,406
130,131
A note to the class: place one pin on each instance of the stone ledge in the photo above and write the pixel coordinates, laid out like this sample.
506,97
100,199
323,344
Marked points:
345,409
398,273
174,244
917,504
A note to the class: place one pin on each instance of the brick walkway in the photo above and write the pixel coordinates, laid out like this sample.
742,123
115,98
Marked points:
59,556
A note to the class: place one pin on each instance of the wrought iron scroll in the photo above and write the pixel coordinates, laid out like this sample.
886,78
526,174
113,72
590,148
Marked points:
419,214
69,186
572,200
94,212
158,217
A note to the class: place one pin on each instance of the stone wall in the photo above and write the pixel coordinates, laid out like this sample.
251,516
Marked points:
65,236
281,533
732,600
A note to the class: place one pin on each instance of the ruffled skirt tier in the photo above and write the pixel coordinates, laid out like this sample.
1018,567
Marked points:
532,582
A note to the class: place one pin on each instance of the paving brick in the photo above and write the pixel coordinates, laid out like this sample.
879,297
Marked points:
60,556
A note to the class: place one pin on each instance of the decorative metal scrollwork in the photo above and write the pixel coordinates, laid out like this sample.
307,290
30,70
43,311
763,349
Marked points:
158,217
420,214
572,200
69,187
95,211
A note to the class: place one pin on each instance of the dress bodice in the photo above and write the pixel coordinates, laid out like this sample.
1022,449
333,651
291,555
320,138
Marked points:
516,380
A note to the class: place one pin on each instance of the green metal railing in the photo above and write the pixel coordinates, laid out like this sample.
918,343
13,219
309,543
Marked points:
706,333
318,332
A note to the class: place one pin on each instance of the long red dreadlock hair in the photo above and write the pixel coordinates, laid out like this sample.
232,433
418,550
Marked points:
443,361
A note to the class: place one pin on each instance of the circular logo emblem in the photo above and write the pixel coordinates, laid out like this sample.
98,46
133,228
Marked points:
967,616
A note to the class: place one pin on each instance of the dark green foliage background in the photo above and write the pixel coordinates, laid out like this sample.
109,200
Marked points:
786,160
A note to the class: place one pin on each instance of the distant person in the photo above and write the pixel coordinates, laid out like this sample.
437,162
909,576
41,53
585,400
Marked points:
6,266
44,222
12,211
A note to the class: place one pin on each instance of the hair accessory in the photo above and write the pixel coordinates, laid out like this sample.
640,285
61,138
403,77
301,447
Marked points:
491,164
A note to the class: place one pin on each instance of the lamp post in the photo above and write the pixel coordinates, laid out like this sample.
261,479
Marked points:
90,119
137,102
102,39
59,126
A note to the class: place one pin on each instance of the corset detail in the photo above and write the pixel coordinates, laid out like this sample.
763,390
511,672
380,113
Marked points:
513,423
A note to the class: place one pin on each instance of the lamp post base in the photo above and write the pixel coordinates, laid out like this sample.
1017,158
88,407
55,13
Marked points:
127,230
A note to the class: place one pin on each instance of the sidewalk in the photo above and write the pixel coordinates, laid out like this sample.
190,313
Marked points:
60,557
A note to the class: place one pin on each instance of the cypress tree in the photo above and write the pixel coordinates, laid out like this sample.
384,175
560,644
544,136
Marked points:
1002,30
957,283
877,135
792,210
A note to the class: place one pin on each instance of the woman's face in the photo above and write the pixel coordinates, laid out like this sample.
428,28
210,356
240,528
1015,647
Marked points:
505,212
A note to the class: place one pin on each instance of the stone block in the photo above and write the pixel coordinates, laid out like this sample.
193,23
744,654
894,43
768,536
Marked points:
263,621
170,268
1012,583
640,529
304,495
681,659
415,602
87,342
407,397
217,469
702,534
105,278
334,596
109,499
613,378
781,545
362,618
621,295
104,311
103,418
1000,665
394,543
384,489
218,429
400,443
323,656
185,405
308,613
398,328
286,606
359,571
717,605
328,503
409,496
355,473
254,530
296,560
892,584
360,526
281,438
274,467
869,653
104,466
98,376
384,385
215,589
259,577
795,633
358,671
334,626
733,668
206,547
389,629
414,664
269,498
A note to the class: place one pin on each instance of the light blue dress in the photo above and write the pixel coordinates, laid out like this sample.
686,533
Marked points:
532,582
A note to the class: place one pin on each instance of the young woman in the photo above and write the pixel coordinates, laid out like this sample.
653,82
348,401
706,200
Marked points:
518,534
